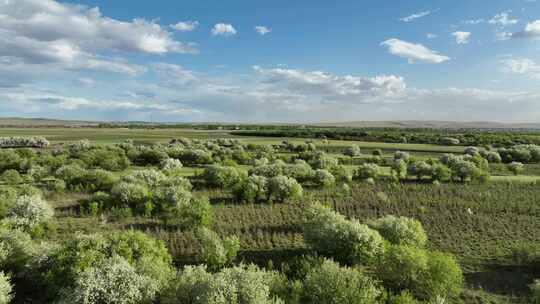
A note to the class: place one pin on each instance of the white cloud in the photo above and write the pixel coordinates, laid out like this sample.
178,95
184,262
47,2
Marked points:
223,29
431,36
415,16
413,52
522,66
49,37
474,21
262,30
462,37
185,26
274,95
76,28
503,19
532,30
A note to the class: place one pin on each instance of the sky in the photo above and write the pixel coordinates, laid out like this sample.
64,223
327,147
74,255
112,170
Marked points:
271,61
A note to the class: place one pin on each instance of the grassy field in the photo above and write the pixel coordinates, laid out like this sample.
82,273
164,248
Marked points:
479,223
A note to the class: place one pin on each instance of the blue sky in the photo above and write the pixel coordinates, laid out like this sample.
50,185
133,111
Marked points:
275,61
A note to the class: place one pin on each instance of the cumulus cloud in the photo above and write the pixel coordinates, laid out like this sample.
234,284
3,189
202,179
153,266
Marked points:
532,30
50,36
415,16
262,30
277,95
503,19
413,52
185,26
522,66
462,37
223,29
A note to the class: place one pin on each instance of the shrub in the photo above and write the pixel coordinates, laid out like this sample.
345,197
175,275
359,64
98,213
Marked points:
253,189
330,234
30,211
221,177
427,275
271,170
11,177
281,188
6,290
399,167
441,172
405,156
403,268
493,157
215,252
113,281
300,170
324,161
443,278
331,284
237,285
401,230
170,164
17,249
449,141
516,167
352,151
149,257
420,169
366,171
323,178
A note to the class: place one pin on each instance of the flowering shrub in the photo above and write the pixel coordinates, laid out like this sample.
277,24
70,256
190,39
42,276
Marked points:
331,235
281,188
401,230
6,290
17,142
113,281
216,252
331,284
366,171
236,285
323,178
30,211
170,164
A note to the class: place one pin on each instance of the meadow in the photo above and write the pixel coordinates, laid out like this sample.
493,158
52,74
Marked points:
491,225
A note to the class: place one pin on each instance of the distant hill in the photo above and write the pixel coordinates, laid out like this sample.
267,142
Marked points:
431,124
42,122
18,122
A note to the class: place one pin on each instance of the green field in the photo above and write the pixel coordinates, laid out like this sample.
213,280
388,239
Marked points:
480,223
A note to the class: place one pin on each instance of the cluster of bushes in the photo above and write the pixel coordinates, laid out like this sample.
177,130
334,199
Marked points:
20,142
520,153
393,248
465,137
153,193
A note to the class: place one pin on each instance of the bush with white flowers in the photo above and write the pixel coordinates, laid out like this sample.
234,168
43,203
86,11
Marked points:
30,211
170,164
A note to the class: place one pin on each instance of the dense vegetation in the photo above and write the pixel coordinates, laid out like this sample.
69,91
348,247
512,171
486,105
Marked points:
225,221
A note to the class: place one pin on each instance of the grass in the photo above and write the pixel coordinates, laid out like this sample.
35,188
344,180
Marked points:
117,135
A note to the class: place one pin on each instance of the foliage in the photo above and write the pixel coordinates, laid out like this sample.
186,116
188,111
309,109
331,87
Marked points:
29,211
425,274
331,284
515,167
215,252
401,230
352,151
331,235
6,290
221,177
253,189
366,171
323,178
80,254
281,188
113,281
237,285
